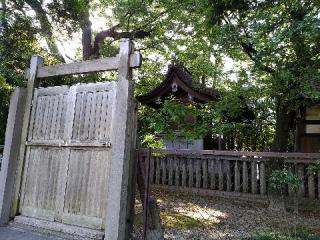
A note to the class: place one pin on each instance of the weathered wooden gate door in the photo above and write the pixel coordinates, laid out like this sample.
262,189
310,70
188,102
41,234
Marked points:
76,155
67,154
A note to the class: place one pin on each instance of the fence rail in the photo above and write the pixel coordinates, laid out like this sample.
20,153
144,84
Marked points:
229,173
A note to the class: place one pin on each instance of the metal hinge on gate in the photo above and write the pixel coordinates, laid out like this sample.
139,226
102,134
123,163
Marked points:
107,144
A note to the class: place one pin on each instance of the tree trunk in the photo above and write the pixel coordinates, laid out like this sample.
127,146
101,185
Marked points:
284,124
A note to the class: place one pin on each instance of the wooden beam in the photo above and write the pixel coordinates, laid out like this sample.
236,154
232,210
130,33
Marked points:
207,153
135,60
97,65
36,63
104,64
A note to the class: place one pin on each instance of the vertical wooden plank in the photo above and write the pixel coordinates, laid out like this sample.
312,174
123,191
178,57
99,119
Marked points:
170,166
35,106
300,172
152,166
212,174
228,173
263,185
318,184
220,172
245,177
93,116
98,117
71,100
38,115
205,173
45,119
118,208
163,170
157,170
290,190
49,118
253,177
54,117
184,172
190,172
10,152
177,171
60,120
82,117
26,196
87,113
198,172
311,185
77,116
36,62
236,177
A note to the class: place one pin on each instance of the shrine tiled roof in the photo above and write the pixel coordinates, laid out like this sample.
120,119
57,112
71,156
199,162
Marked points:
179,75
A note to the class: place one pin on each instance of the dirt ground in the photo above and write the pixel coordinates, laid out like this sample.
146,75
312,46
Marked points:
194,217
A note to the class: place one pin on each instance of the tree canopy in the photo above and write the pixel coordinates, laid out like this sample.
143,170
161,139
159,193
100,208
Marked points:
274,46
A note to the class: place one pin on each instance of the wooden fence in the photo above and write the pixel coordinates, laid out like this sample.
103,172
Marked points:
229,173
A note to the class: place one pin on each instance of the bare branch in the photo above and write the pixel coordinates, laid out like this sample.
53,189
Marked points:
251,52
115,35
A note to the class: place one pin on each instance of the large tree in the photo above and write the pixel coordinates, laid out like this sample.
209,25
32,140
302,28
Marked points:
280,41
276,43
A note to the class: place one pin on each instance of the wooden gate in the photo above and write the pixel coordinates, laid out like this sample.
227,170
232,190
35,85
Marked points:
77,147
67,154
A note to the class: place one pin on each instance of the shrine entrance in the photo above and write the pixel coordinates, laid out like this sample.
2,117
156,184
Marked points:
75,165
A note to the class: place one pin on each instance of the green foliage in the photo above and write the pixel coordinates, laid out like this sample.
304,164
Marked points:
228,117
294,235
151,141
314,168
282,178
274,44
17,44
5,91
192,121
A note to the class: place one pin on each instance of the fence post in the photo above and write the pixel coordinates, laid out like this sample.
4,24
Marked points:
311,185
220,172
236,177
245,177
190,170
228,172
184,173
170,164
198,172
205,173
212,174
263,187
300,172
177,171
164,171
10,153
253,177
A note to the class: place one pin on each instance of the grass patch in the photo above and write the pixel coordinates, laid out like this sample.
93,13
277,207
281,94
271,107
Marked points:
299,235
181,221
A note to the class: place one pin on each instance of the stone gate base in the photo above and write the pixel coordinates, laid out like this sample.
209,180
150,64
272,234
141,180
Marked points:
57,229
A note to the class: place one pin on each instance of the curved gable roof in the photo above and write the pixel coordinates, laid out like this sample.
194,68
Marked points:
183,78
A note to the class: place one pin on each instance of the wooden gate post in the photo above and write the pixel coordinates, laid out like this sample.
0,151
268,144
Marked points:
33,82
10,153
118,207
